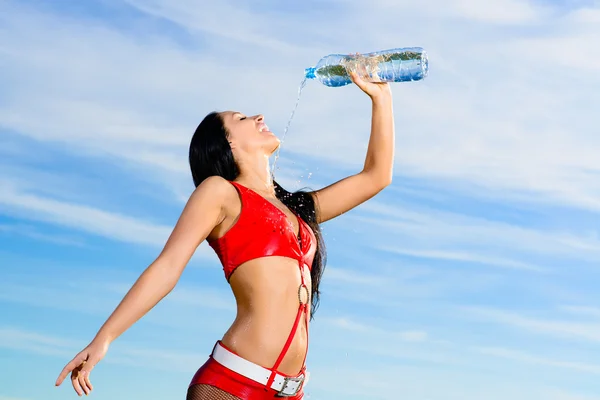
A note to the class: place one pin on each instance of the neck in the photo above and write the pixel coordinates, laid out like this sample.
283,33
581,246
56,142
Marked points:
256,174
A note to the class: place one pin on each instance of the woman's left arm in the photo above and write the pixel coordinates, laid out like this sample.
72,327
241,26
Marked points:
349,192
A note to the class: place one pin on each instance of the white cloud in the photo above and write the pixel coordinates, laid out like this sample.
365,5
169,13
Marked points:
500,12
430,232
204,297
496,11
593,312
453,126
87,219
349,324
120,353
464,257
536,360
18,339
586,331
346,276
33,233
561,394
60,293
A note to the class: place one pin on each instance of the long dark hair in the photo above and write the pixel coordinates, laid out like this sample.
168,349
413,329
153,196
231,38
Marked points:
210,155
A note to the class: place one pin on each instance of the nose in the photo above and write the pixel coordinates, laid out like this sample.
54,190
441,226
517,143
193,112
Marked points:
260,117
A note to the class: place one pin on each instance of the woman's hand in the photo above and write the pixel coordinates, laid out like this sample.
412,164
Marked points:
81,366
375,90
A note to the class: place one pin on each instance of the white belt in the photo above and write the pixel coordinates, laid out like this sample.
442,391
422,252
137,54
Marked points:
283,385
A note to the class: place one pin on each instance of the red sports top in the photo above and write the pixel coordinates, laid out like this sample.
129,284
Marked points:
262,230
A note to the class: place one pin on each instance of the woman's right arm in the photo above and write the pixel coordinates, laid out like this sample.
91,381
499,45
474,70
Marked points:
203,211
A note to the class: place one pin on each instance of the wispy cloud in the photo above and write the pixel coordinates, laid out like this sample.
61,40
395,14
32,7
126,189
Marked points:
561,394
346,276
463,257
349,324
204,297
536,360
582,310
121,353
489,151
423,228
238,22
87,219
501,12
587,331
82,217
67,294
18,339
33,233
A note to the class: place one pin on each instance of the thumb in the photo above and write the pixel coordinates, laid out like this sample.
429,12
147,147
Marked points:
74,363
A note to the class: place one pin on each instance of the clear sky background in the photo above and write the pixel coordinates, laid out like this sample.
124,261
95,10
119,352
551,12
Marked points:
473,276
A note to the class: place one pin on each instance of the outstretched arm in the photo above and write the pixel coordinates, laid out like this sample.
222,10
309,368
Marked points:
201,214
349,192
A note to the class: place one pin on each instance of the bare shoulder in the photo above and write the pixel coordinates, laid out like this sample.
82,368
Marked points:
216,188
206,209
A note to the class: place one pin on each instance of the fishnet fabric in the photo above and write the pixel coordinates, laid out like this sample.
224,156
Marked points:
208,392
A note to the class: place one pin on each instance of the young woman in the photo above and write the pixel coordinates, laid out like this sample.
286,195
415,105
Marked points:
271,248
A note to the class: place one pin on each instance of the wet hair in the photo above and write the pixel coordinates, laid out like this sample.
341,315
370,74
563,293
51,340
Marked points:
211,155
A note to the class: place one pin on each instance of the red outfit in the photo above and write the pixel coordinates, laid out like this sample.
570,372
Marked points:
214,374
262,230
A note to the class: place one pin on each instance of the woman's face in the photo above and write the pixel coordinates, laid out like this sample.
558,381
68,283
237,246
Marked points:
249,134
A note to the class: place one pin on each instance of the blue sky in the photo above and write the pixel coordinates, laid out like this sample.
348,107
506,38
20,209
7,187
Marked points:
474,275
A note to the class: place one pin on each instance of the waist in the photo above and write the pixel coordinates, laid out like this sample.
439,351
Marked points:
261,341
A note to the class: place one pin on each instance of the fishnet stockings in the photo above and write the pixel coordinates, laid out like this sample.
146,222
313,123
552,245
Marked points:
208,392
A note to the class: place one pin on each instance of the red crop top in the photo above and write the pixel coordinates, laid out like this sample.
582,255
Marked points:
262,230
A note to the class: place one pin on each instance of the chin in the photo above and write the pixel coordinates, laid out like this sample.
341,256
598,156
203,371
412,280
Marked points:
273,145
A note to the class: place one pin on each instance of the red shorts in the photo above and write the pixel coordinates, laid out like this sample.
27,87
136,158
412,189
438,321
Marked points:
214,374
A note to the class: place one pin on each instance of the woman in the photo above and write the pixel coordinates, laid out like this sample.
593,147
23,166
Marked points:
270,245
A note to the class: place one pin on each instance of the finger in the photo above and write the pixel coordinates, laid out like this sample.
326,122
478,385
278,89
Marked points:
376,78
76,383
69,368
83,378
357,80
86,371
88,382
355,77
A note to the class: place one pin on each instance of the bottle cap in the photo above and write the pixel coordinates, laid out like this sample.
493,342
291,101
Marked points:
310,73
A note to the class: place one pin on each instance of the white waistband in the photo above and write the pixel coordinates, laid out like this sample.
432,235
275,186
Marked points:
284,385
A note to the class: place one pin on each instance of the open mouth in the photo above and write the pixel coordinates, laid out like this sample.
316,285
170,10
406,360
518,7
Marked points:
263,128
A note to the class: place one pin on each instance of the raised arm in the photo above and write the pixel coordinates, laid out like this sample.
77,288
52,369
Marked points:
349,192
201,214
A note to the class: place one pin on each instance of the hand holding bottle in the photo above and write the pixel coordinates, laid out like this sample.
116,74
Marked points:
375,90
81,366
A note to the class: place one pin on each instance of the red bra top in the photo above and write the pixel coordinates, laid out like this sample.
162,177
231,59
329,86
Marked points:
262,230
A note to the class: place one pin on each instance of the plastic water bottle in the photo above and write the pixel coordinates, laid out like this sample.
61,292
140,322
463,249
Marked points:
396,65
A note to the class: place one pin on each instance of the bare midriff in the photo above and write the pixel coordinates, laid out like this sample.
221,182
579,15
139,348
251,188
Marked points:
266,292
